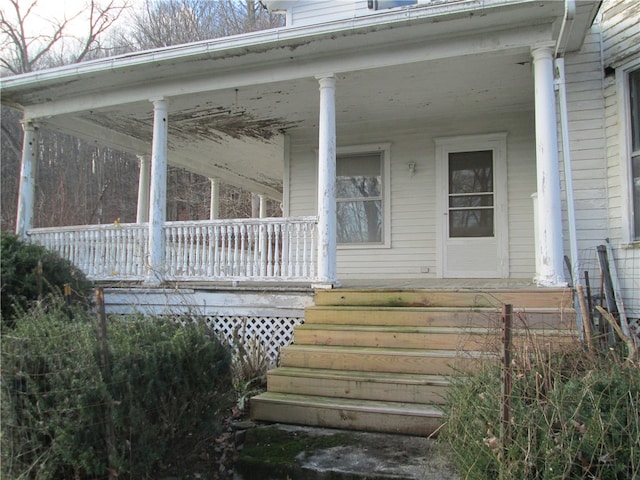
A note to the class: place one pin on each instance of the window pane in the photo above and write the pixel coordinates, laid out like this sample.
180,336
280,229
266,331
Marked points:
383,4
471,223
635,172
471,172
359,221
634,95
358,176
461,201
358,187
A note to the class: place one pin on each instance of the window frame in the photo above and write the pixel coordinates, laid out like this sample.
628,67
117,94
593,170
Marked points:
626,149
384,150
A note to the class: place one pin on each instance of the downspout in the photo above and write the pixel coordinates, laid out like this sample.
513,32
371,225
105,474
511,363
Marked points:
561,87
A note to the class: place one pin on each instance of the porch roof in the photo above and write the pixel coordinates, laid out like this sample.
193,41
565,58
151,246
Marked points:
231,99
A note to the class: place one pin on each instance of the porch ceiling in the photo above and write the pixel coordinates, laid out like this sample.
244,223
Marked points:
229,108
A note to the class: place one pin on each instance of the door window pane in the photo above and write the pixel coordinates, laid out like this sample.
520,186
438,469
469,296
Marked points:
359,198
471,195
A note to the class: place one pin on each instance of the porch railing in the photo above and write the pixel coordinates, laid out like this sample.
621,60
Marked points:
269,249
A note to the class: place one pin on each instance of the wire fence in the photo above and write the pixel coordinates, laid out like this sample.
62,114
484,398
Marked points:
610,276
77,403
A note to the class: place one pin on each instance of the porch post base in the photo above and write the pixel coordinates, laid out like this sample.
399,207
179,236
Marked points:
550,282
325,285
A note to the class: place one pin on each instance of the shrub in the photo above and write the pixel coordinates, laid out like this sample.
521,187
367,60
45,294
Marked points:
19,276
166,383
573,415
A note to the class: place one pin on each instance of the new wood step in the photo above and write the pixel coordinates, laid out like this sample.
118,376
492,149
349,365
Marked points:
426,338
364,415
390,360
389,387
520,298
439,316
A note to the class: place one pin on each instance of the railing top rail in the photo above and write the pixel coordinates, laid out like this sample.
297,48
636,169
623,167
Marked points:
76,228
244,221
194,223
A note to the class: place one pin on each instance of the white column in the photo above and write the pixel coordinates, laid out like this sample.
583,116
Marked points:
549,211
214,206
158,197
327,182
143,190
26,195
263,206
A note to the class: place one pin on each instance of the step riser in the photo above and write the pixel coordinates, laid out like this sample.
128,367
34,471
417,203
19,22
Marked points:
413,340
348,419
426,318
388,392
561,298
420,341
372,362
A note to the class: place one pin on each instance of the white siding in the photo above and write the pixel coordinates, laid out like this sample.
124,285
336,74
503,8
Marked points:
621,47
585,105
306,12
413,250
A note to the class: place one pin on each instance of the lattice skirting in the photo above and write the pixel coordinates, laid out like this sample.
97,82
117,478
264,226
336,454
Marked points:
272,332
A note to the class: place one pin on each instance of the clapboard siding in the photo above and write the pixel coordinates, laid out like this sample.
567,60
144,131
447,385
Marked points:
620,31
306,12
413,249
586,114
621,44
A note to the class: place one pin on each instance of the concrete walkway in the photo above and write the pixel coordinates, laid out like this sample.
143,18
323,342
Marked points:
285,452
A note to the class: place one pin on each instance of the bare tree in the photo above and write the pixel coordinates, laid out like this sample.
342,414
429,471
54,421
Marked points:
63,158
92,184
24,52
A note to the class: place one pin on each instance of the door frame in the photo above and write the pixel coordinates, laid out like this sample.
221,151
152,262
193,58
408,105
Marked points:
497,143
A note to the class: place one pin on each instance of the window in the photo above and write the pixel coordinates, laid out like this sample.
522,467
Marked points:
471,195
359,198
634,110
384,4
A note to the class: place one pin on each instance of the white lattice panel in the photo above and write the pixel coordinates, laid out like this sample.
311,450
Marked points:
272,332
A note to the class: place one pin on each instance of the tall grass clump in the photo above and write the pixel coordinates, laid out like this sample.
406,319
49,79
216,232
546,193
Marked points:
574,415
65,416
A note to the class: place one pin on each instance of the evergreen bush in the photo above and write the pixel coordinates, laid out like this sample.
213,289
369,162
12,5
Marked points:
19,282
60,409
574,415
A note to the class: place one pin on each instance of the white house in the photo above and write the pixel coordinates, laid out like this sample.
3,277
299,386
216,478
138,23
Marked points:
414,145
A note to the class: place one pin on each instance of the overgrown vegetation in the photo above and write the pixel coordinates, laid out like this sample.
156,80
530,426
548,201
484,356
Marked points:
64,416
250,364
574,415
30,273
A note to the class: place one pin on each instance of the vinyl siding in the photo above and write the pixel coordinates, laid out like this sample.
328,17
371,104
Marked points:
620,30
307,12
586,127
413,251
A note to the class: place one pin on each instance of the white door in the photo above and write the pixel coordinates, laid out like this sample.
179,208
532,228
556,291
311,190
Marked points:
472,207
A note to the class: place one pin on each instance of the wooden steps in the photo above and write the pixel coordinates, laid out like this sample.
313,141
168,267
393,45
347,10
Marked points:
350,414
380,360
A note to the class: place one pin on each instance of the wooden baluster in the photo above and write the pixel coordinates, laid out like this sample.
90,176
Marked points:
216,251
253,245
305,250
313,229
223,251
277,238
270,250
243,253
263,252
229,268
199,245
